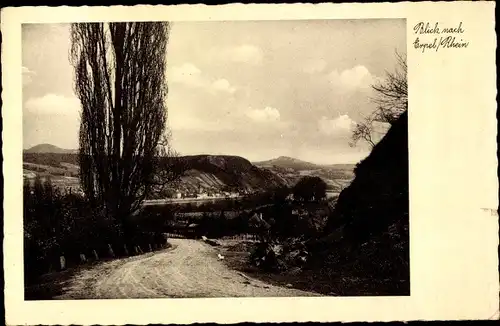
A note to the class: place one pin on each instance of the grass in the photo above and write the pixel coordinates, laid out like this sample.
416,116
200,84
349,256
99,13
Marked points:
236,255
237,252
51,170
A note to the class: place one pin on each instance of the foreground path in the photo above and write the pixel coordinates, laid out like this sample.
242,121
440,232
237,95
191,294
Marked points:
189,269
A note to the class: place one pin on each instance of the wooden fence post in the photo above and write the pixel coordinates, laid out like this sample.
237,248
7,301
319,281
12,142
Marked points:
111,252
83,259
126,250
150,248
62,261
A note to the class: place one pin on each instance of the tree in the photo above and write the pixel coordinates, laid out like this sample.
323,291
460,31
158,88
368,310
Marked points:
391,98
391,95
28,208
310,189
363,131
280,194
48,190
121,83
38,190
168,166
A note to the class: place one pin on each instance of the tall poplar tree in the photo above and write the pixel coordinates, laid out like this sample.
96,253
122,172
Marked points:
120,80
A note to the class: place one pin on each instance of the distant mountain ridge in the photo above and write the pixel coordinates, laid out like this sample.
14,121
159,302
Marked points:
49,148
292,170
205,173
288,163
199,173
296,164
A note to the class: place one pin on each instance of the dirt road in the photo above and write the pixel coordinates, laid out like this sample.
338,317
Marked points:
189,269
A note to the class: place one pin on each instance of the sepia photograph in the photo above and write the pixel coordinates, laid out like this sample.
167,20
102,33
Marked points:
265,163
215,159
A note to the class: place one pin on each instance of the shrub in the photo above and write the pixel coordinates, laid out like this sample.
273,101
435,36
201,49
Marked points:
57,224
310,189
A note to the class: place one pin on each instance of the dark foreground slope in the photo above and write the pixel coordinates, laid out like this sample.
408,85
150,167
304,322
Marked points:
378,195
367,234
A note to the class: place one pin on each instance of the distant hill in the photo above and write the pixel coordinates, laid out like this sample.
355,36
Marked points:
288,163
214,173
337,176
48,148
339,166
223,172
211,173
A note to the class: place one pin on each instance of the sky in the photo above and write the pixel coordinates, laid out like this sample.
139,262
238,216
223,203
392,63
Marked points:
256,89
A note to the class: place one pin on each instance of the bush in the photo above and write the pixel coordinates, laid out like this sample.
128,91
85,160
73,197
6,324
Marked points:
265,256
310,189
57,224
276,256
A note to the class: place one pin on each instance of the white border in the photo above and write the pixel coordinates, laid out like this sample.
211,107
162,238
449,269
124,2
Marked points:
452,129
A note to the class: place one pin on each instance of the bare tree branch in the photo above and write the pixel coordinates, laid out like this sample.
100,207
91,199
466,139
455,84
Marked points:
391,98
392,93
363,131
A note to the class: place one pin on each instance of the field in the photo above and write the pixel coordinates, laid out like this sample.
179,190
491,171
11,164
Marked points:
62,169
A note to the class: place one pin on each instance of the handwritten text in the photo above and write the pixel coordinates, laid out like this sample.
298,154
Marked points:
426,30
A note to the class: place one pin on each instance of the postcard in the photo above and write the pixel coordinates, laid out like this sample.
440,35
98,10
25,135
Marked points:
250,163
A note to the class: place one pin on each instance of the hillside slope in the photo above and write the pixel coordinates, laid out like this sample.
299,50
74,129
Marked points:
336,176
215,173
286,162
378,195
48,148
367,234
224,173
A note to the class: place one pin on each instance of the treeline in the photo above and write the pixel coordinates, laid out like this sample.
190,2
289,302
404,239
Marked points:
51,159
279,217
57,224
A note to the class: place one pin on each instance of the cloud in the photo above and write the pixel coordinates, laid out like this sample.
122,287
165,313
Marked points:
186,120
53,119
352,79
184,112
223,85
245,53
314,66
341,124
53,104
187,74
190,75
27,76
264,115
